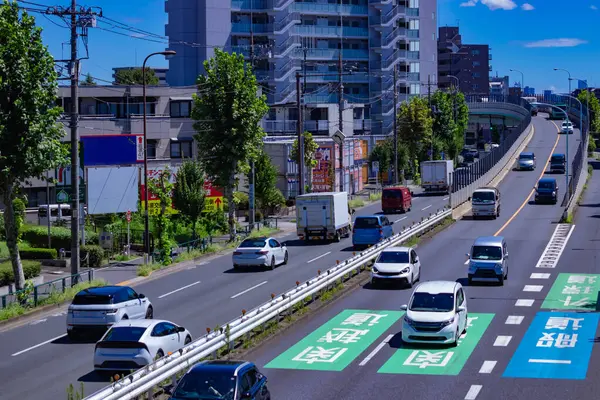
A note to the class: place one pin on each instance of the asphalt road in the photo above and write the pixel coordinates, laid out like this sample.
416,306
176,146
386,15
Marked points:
37,361
476,369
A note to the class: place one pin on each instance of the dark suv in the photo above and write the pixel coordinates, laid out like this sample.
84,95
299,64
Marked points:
221,379
558,163
546,191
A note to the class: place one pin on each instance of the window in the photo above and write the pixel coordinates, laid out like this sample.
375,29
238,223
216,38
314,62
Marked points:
415,88
433,15
413,4
474,52
413,256
124,334
170,329
393,257
413,24
433,36
151,148
414,45
274,243
245,384
159,330
475,86
476,75
252,377
131,294
476,63
181,149
414,67
180,109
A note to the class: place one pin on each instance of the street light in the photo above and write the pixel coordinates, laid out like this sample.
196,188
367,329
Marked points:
580,113
146,219
567,188
522,80
587,103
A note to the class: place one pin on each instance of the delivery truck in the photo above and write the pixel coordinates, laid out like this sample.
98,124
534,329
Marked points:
436,176
325,216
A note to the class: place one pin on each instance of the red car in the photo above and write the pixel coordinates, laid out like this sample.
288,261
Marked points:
396,198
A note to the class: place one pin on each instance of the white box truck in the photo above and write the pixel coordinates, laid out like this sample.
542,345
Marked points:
436,175
323,216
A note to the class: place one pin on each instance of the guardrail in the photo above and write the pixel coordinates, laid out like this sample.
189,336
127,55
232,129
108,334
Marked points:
166,368
577,180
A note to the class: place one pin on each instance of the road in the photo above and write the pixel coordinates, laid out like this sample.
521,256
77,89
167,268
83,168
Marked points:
206,295
495,359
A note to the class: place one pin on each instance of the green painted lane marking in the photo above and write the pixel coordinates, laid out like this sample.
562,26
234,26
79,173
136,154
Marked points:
438,360
334,345
573,292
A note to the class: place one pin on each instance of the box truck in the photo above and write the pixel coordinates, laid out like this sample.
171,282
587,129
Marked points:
323,216
436,176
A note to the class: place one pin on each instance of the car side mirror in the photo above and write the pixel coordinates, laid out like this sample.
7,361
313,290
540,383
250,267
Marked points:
180,329
404,307
353,211
468,255
284,244
462,309
141,296
469,198
391,222
416,260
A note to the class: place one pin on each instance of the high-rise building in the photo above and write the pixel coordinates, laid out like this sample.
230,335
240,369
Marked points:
529,91
469,64
499,86
283,37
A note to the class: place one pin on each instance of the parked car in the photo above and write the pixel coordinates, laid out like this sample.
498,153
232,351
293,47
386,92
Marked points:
99,308
370,230
546,191
567,127
527,161
222,379
397,264
132,344
558,163
262,251
488,259
436,313
396,198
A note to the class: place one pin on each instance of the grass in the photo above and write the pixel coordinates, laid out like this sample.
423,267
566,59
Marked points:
375,196
124,258
3,250
15,310
356,203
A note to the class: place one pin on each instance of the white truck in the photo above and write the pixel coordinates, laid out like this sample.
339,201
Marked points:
436,176
323,216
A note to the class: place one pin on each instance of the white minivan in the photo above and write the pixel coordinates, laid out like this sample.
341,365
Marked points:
485,202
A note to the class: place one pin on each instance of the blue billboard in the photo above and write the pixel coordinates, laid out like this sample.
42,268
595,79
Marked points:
112,150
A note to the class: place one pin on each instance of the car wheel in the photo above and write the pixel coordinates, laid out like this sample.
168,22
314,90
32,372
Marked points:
337,237
410,283
149,313
373,282
501,279
125,317
466,319
73,335
470,279
188,339
272,266
159,354
456,337
285,258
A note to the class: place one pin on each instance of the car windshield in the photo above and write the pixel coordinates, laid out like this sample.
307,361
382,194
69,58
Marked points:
253,243
367,223
393,257
392,194
484,197
557,159
441,302
487,253
88,299
205,385
124,334
546,185
526,157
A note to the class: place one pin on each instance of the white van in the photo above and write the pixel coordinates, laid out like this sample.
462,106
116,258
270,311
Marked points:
58,212
486,202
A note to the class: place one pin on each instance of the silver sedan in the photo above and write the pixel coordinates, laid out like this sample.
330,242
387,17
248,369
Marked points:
262,251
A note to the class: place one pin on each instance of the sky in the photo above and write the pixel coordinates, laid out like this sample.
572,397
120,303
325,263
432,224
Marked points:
533,37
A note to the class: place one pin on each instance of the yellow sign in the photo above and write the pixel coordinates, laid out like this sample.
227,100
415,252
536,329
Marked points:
154,208
213,203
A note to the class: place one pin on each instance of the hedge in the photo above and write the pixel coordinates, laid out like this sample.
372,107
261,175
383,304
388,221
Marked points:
37,236
96,254
31,269
32,253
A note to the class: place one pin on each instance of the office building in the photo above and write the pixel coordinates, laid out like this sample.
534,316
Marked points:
582,84
161,73
529,91
467,65
515,90
283,37
499,86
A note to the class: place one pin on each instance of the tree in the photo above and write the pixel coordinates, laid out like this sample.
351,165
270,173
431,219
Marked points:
310,149
587,97
415,127
29,131
188,193
461,118
228,115
162,187
443,127
134,77
89,81
267,194
383,153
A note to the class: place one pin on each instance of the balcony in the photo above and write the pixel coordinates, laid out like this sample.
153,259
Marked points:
244,28
290,126
328,77
287,46
412,55
362,124
286,23
158,126
331,9
392,16
412,33
315,126
285,71
330,31
413,77
246,5
320,98
391,39
332,54
412,12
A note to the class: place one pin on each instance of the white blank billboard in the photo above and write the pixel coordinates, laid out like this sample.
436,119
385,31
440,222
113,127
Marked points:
113,190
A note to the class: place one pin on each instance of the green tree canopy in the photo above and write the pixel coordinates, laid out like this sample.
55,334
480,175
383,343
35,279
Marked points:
89,81
587,97
29,132
134,77
415,128
188,194
310,150
266,192
443,127
228,115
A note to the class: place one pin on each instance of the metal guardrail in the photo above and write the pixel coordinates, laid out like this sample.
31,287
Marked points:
145,379
576,181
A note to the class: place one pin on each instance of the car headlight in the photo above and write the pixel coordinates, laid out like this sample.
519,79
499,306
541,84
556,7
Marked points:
405,270
408,320
375,270
447,322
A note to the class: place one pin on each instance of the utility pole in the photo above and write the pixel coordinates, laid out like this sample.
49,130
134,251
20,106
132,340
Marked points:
300,134
341,116
396,180
429,101
252,185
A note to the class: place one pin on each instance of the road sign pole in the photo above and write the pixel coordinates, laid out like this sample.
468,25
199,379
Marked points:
128,232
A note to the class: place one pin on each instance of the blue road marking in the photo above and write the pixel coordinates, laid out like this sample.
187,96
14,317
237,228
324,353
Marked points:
557,345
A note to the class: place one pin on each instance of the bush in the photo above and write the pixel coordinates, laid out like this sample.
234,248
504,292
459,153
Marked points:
31,269
37,236
241,200
2,231
96,254
32,253
591,145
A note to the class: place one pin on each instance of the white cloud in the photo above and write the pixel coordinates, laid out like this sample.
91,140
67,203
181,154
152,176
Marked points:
138,35
469,3
499,4
527,7
593,7
563,42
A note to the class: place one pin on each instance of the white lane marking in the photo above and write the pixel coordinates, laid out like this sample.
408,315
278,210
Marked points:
316,258
400,219
487,367
202,263
502,341
524,302
247,290
446,198
533,288
39,321
429,206
467,262
514,320
555,247
179,290
536,275
544,361
473,392
376,350
38,345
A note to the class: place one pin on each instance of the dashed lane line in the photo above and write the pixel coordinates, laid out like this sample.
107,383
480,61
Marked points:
39,345
473,392
514,320
487,367
536,275
502,341
376,350
524,302
533,288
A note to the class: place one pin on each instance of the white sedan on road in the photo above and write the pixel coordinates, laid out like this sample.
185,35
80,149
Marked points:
132,344
398,264
260,251
567,127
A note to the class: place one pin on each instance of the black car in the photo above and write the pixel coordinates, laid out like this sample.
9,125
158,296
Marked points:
546,191
558,163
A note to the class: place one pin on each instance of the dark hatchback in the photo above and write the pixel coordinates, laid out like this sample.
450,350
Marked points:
558,163
220,380
546,191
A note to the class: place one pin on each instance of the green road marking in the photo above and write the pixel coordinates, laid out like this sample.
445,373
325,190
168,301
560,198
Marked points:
438,360
335,344
573,292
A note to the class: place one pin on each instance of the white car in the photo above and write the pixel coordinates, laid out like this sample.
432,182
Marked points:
98,308
567,127
260,251
399,264
437,313
130,345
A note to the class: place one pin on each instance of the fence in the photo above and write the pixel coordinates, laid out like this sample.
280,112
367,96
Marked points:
576,180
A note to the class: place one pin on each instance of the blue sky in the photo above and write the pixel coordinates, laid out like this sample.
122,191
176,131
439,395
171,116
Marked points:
533,37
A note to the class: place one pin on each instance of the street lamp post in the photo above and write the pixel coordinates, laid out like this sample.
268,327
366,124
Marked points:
587,104
522,80
146,218
567,188
580,113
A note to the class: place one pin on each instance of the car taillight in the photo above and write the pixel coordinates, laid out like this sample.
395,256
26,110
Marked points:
237,253
381,231
264,252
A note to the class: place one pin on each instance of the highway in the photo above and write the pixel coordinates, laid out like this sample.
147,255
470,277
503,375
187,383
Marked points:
495,359
206,295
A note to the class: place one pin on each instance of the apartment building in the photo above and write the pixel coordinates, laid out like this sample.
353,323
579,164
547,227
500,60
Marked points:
465,65
499,86
369,38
